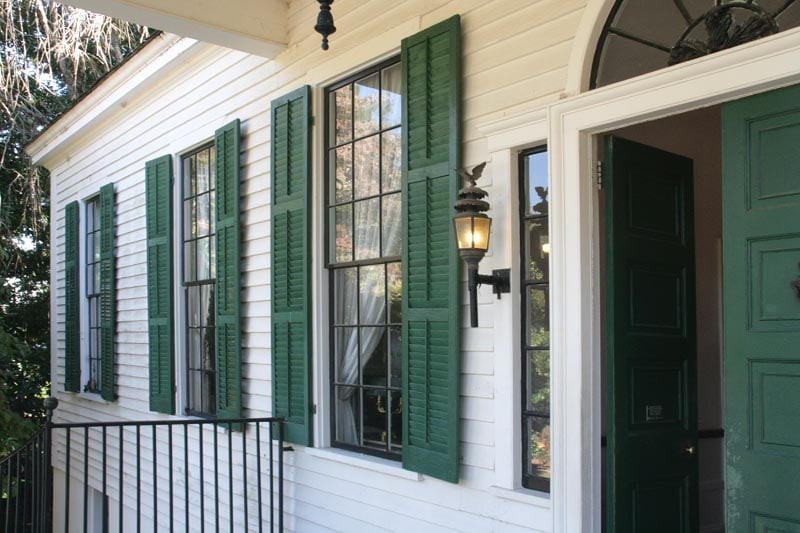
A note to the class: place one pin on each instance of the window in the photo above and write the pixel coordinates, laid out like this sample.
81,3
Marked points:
91,372
199,272
535,320
365,231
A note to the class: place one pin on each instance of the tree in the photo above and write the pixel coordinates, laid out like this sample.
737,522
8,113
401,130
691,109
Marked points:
51,55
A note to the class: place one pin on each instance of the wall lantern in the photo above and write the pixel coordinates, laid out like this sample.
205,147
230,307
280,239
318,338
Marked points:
472,227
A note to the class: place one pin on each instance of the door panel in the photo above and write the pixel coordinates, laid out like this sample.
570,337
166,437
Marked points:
651,342
761,236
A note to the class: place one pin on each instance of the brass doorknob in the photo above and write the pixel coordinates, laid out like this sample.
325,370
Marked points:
690,450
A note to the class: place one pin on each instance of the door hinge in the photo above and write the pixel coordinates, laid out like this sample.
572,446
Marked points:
599,175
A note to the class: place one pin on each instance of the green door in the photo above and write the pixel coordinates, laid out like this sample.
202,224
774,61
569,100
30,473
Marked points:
651,422
761,361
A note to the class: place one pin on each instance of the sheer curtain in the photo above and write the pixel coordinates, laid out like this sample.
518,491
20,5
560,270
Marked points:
372,302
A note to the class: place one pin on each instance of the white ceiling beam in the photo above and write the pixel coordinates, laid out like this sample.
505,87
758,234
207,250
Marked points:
254,26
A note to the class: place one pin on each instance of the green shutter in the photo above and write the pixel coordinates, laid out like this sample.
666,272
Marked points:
158,198
229,372
431,289
107,292
72,339
291,261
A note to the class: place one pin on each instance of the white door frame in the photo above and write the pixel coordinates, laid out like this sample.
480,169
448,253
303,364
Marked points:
575,296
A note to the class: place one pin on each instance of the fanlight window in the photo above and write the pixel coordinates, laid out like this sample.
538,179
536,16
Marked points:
641,36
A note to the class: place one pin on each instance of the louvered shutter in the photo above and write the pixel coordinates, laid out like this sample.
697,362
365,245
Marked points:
431,329
229,373
291,258
158,198
107,292
72,340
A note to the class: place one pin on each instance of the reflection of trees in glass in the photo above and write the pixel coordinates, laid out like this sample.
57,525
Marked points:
540,451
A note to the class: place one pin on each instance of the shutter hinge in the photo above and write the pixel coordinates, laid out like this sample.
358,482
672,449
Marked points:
599,175
314,408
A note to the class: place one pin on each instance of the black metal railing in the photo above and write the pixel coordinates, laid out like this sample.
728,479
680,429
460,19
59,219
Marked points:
175,475
24,482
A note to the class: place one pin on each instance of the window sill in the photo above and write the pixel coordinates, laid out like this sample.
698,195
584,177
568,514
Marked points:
526,496
367,462
93,397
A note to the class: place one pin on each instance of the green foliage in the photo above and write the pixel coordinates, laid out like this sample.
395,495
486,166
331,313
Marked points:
52,54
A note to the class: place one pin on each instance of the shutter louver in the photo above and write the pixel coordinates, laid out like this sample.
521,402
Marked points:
158,198
107,292
431,288
72,341
291,257
228,345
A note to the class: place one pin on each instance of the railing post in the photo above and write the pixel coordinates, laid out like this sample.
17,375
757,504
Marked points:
50,405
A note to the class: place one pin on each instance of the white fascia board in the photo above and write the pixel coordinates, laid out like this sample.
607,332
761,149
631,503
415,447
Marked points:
131,79
257,27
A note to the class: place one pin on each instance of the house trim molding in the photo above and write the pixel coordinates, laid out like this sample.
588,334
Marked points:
763,65
134,77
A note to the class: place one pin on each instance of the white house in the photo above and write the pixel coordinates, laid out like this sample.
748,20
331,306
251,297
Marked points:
245,226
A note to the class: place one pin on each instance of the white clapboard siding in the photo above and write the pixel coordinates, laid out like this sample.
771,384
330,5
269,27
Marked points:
515,55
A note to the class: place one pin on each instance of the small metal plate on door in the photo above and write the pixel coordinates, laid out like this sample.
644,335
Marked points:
653,413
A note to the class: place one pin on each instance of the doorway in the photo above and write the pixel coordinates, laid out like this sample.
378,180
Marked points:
664,399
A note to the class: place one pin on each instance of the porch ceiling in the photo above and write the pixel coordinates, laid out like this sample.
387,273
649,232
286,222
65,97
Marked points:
254,26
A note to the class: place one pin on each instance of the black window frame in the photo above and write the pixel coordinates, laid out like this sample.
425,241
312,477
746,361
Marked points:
539,483
194,406
91,269
332,266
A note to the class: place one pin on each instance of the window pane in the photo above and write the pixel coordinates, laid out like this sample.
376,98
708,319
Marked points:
212,257
348,415
367,159
188,219
373,356
343,237
188,175
203,172
203,220
372,295
194,353
212,212
396,420
537,383
392,225
209,393
366,105
536,183
390,96
395,357
375,418
342,110
189,253
538,314
346,340
207,345
394,284
538,250
193,307
391,151
367,232
538,450
343,174
206,305
345,294
90,279
202,259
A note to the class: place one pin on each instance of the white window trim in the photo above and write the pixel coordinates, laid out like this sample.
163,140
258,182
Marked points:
83,319
178,298
506,139
372,52
767,64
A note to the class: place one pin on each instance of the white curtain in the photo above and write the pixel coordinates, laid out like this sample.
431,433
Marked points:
372,301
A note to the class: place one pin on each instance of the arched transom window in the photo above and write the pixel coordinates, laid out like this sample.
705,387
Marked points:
641,36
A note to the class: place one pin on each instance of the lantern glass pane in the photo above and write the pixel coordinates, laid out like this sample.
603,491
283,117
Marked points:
480,233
